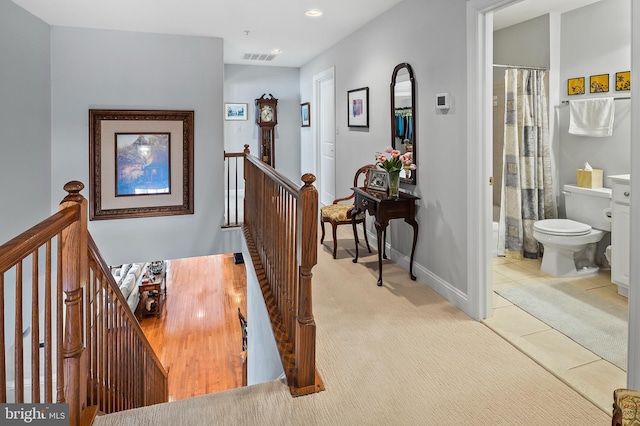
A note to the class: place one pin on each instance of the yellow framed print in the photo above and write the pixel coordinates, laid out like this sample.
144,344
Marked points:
599,83
575,86
623,80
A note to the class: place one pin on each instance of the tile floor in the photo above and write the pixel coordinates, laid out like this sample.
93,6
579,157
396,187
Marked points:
584,371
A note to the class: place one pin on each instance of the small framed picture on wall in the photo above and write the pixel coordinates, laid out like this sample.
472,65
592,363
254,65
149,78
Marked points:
358,107
599,83
623,80
305,114
575,86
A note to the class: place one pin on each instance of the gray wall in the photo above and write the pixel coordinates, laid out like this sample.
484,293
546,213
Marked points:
596,39
245,84
526,43
25,120
124,70
414,32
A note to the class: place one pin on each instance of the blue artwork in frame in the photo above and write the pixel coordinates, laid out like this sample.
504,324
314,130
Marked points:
142,164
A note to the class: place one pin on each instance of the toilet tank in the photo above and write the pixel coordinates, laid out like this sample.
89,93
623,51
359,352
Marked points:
588,205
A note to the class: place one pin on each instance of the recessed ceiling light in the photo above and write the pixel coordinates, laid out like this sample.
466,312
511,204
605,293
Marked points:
314,13
276,51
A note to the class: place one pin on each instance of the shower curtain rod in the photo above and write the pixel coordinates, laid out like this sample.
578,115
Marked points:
521,67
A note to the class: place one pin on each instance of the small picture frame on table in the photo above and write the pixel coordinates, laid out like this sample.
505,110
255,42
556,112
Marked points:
378,180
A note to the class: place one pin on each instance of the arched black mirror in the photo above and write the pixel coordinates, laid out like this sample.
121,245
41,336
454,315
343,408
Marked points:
403,118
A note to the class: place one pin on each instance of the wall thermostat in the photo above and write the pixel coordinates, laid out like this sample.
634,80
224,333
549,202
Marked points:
442,101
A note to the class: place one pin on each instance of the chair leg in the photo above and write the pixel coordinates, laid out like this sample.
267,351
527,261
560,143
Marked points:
335,239
364,228
322,226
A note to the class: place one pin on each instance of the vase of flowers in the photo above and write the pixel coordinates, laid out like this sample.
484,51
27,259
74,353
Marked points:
394,183
393,162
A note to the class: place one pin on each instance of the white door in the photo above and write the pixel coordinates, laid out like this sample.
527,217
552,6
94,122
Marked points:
325,135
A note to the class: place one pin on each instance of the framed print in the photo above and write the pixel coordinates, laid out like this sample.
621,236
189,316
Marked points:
304,114
378,180
234,111
575,86
599,83
140,163
358,107
623,80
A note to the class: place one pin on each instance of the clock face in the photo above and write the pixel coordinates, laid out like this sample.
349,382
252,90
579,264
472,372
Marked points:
266,113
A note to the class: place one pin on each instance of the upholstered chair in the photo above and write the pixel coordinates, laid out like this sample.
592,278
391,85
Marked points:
339,213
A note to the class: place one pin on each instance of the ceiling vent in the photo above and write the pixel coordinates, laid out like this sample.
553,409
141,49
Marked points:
258,57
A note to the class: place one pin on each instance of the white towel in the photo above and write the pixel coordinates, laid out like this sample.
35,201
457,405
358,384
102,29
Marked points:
591,117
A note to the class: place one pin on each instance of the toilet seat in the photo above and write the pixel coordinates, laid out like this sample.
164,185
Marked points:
566,227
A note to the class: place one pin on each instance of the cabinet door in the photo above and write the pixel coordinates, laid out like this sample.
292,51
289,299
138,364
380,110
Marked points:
620,244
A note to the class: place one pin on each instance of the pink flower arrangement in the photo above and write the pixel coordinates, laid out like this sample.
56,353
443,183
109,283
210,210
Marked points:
394,160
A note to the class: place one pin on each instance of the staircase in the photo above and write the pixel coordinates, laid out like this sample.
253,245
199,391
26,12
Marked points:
94,356
84,339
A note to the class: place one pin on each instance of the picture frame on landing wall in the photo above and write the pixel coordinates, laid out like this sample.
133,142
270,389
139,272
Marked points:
140,163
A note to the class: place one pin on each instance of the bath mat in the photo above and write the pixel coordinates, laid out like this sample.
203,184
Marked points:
594,323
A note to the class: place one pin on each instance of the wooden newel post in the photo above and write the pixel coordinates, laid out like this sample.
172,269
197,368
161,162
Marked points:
74,270
305,350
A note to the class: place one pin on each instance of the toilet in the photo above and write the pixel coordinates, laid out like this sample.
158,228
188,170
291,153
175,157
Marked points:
570,244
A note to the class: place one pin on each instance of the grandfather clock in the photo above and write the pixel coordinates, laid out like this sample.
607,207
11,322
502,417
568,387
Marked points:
266,119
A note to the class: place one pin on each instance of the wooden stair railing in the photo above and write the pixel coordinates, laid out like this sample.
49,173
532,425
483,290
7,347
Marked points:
123,371
94,354
281,228
232,199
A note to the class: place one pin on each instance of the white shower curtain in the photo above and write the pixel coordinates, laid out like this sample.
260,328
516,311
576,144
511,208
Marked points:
526,178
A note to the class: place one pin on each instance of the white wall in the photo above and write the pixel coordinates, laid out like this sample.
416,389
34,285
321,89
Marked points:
25,121
123,70
245,84
431,37
596,39
263,358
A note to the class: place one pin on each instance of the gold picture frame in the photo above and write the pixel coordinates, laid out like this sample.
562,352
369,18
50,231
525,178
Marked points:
599,83
114,163
623,81
575,86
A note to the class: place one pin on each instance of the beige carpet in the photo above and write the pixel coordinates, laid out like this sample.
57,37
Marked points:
392,355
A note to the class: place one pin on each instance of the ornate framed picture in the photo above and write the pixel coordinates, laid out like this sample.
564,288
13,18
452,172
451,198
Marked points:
599,83
235,111
378,180
575,86
623,80
140,163
305,114
358,107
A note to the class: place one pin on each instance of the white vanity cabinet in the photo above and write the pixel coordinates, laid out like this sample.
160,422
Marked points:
620,242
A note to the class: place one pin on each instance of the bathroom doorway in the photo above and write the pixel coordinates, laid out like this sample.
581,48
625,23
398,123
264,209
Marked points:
544,343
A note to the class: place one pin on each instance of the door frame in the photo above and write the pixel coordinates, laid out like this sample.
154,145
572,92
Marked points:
479,142
328,74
